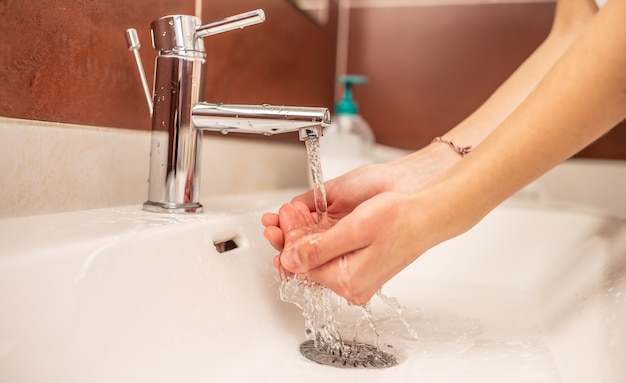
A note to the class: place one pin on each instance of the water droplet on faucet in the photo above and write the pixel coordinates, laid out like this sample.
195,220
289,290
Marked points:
224,131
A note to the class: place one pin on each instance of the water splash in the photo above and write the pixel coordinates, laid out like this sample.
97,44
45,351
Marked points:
399,310
325,344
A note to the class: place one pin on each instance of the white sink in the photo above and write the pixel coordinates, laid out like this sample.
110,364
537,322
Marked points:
532,294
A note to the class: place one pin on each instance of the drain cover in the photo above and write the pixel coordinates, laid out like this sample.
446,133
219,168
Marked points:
355,355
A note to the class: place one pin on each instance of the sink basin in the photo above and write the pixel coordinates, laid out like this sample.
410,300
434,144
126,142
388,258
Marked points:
534,293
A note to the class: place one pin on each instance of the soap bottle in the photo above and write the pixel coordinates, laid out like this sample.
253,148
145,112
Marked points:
347,143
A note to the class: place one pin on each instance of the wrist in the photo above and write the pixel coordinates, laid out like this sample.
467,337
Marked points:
414,171
460,150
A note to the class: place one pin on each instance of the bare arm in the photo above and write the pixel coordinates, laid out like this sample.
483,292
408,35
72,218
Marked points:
570,19
411,172
580,98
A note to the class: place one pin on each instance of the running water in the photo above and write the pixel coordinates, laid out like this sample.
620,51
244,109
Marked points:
319,192
325,344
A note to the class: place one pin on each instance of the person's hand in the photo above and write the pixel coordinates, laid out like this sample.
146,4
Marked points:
344,193
361,251
296,221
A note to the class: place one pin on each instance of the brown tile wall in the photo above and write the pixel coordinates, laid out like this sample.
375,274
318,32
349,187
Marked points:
67,61
429,67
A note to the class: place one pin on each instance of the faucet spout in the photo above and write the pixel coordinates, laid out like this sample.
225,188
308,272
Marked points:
261,119
180,114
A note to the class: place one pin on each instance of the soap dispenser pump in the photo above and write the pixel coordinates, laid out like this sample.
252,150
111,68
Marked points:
347,142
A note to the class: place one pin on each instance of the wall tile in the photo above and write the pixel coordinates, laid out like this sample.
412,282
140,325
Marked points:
430,66
67,61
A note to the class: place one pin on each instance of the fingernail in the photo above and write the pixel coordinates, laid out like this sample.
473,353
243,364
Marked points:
290,260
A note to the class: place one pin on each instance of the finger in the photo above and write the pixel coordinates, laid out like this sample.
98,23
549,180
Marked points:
269,219
292,219
276,262
284,274
274,236
337,276
313,250
308,217
295,221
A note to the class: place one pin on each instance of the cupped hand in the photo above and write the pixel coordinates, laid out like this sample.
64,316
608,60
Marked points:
346,192
362,251
343,194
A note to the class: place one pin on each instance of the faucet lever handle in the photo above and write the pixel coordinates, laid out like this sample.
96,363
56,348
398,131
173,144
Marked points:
230,23
132,39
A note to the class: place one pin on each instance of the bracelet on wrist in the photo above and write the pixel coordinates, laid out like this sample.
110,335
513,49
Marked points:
461,150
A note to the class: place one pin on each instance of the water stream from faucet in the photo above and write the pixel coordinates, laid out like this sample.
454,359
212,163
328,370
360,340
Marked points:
319,191
325,345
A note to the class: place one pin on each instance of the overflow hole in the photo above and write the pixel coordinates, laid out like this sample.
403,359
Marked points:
224,246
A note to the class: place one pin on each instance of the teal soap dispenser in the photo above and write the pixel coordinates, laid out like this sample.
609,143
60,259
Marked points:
347,143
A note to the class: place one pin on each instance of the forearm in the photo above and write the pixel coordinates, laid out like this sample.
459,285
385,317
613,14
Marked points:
580,98
434,159
570,19
437,158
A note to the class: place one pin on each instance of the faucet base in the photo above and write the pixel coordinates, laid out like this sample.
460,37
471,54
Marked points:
159,207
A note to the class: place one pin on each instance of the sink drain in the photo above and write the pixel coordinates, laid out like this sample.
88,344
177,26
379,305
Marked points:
355,355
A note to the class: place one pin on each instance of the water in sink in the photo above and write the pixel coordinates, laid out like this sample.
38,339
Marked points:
449,345
344,336
123,295
325,344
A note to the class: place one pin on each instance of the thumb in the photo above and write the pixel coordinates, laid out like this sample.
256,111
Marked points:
313,250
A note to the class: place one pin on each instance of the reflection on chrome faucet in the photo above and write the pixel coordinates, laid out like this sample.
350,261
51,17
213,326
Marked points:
179,113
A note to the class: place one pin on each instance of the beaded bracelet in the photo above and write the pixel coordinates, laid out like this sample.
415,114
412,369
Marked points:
462,150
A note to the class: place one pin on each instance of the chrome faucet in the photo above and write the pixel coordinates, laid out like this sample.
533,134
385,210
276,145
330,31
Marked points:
179,114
